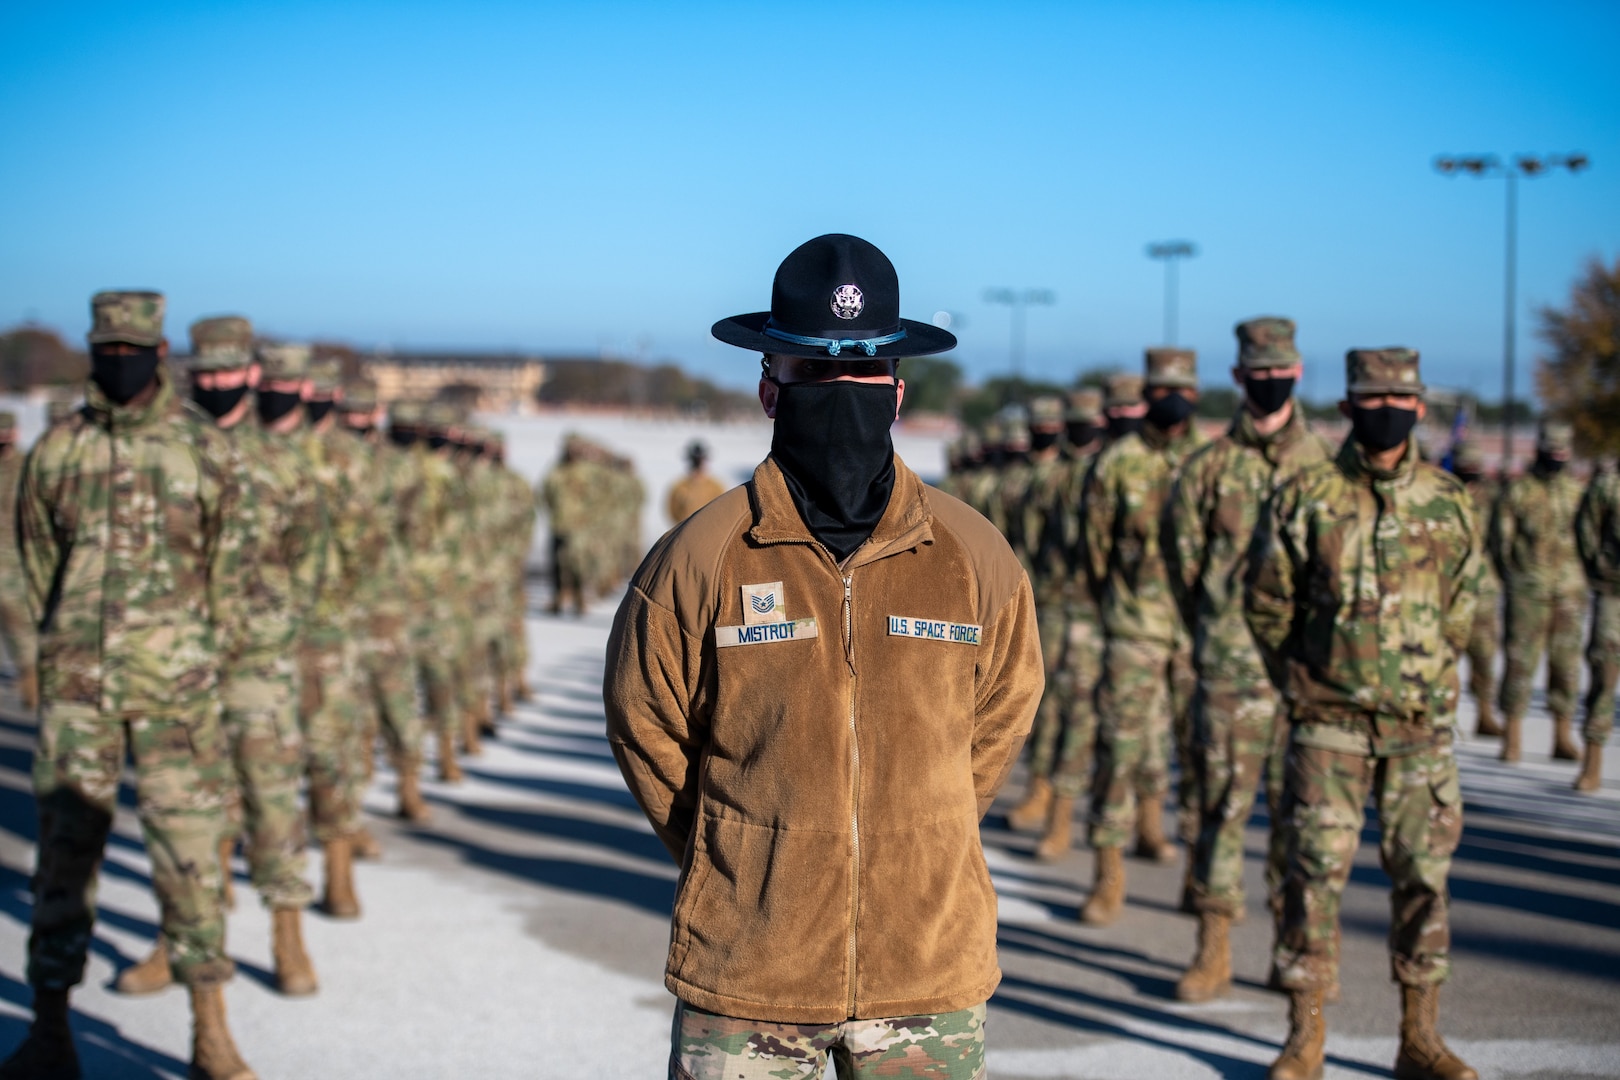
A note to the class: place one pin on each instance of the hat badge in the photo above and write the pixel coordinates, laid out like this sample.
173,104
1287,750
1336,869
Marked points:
847,301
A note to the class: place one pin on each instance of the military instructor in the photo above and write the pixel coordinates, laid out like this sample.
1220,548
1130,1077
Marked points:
814,688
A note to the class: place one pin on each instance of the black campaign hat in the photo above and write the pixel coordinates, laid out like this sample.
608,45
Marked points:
834,296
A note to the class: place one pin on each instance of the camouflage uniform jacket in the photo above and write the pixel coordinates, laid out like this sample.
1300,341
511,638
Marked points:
1124,503
340,469
1361,595
382,558
1485,493
11,470
1209,524
1038,522
1597,532
571,494
128,519
1532,535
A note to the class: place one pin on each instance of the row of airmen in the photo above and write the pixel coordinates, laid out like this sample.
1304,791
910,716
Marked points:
241,585
1142,539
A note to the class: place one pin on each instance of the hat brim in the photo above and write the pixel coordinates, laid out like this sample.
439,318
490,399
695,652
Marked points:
748,332
1397,389
124,337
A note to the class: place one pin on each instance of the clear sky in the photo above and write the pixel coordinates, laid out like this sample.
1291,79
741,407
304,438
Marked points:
617,176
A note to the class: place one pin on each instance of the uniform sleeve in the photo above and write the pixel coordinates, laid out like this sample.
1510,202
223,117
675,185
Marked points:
1010,682
650,694
1276,562
1595,522
1185,536
1097,525
229,531
1467,575
305,549
38,546
1499,538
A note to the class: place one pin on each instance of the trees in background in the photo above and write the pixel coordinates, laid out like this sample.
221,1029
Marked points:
1579,378
34,356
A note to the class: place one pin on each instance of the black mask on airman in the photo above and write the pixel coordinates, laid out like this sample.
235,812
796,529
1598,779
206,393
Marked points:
401,436
1082,434
832,443
121,377
1166,412
1043,440
1267,395
316,410
1121,426
218,403
274,404
1383,428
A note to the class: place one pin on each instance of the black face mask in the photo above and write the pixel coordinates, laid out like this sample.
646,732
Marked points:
1383,428
218,403
1267,395
274,404
401,437
1043,440
317,410
832,443
1169,410
438,442
1082,434
1546,463
123,377
363,432
1468,476
1121,426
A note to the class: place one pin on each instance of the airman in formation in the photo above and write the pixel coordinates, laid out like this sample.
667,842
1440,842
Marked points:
593,501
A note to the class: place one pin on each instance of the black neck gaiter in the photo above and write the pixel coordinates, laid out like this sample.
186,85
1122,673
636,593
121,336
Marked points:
1121,426
218,402
274,404
121,377
833,446
316,410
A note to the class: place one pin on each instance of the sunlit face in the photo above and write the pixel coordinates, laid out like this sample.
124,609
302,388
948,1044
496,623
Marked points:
227,380
785,370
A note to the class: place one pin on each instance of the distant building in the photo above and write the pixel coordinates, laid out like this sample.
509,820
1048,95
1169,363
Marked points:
489,383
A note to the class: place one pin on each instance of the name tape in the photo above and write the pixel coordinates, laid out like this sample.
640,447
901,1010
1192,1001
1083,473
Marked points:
764,633
934,630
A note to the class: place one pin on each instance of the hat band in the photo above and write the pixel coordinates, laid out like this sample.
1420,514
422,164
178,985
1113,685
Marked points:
834,346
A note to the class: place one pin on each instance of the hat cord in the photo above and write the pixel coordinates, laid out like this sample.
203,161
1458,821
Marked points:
834,346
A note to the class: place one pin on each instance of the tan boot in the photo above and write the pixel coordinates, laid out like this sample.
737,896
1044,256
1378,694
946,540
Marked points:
1059,836
1031,814
1485,726
470,732
47,1052
449,767
1108,893
227,890
1510,739
1210,975
1150,841
1591,776
340,902
1564,748
412,807
28,689
1306,1049
213,1052
295,975
503,696
1424,1054
523,691
150,975
364,845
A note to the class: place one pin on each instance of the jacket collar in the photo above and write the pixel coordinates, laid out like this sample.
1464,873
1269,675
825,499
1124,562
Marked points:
905,523
1353,461
1243,433
117,417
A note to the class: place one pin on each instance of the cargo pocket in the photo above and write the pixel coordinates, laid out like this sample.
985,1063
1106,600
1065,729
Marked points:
1445,815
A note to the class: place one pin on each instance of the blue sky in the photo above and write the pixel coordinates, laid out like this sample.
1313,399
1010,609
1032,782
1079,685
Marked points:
617,176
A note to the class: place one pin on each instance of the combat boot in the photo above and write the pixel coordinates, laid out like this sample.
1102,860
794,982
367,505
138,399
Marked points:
470,733
295,975
213,1052
449,767
503,696
28,689
340,902
1485,725
1591,777
1031,814
47,1053
227,887
364,845
1510,739
1424,1054
1210,975
1108,892
150,975
1150,841
411,805
1564,748
1059,836
1306,1049
523,693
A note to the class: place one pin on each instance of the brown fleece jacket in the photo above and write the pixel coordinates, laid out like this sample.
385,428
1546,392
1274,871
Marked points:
820,780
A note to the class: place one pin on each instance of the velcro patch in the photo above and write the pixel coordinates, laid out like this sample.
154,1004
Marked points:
933,630
763,603
764,633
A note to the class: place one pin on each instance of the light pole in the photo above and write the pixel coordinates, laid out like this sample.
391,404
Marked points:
1489,166
1019,301
1171,252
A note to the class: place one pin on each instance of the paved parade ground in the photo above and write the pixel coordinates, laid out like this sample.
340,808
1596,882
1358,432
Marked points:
522,934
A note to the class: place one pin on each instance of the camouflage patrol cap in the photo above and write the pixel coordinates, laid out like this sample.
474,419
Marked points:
1382,371
440,415
8,423
1555,437
128,316
359,395
1124,390
1466,456
1266,342
1015,435
1046,411
325,376
1085,405
59,409
1171,367
221,343
405,414
995,433
284,361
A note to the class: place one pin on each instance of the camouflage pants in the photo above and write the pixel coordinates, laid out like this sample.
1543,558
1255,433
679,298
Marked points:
947,1046
1043,738
180,784
333,724
1420,819
267,751
1537,623
16,625
1080,671
1603,654
388,684
515,641
1239,744
1144,683
1482,646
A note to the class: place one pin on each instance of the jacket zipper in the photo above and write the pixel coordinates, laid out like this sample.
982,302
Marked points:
855,794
